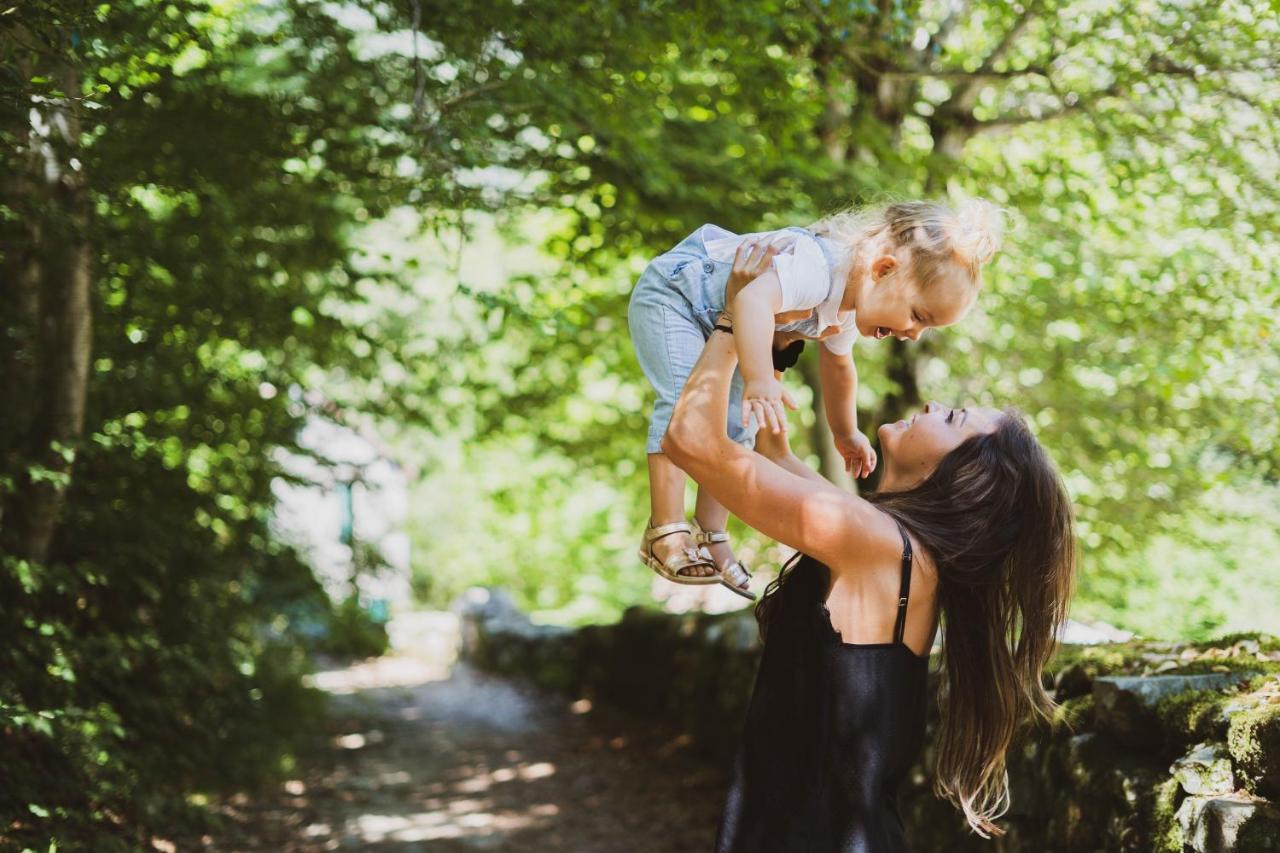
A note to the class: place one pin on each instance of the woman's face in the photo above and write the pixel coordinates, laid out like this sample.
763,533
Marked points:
913,448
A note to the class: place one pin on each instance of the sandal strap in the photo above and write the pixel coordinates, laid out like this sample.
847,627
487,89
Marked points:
653,534
709,537
686,560
737,573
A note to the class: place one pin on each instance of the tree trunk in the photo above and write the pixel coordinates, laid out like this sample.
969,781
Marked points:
46,354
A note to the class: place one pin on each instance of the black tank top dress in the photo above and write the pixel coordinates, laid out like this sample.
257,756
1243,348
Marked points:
831,731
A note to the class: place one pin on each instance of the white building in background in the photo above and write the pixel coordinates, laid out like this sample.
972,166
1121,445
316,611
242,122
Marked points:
348,502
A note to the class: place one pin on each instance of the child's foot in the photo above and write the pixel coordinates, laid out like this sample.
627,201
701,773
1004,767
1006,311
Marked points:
672,547
670,550
733,573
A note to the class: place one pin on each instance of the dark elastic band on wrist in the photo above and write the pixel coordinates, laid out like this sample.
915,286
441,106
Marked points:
724,328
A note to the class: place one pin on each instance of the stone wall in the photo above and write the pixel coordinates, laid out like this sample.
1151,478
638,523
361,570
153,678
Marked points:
1156,747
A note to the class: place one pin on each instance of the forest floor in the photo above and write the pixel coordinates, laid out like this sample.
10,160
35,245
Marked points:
428,754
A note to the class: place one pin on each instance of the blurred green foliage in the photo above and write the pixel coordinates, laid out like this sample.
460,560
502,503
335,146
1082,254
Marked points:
157,652
434,212
1132,314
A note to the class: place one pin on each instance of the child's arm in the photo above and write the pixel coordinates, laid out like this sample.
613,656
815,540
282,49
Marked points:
839,377
752,308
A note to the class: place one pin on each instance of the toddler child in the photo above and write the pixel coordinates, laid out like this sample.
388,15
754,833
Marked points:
893,270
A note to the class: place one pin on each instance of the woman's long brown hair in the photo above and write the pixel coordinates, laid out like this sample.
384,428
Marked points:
997,521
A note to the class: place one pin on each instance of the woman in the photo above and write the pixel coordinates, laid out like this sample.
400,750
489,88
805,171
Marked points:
971,522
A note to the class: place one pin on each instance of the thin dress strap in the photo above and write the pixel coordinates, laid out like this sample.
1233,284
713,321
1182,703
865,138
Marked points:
904,590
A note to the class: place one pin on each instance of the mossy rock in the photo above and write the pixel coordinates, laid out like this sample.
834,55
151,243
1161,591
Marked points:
1261,832
1071,681
1238,665
1231,824
1200,715
1267,643
1075,666
1073,716
1254,741
1097,660
1113,793
1135,708
1166,832
1193,716
1206,770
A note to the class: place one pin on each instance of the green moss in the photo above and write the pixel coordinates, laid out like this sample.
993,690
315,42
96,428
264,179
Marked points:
1073,716
1107,659
1192,716
1266,642
1166,834
1254,742
1137,657
1196,715
1241,664
1260,833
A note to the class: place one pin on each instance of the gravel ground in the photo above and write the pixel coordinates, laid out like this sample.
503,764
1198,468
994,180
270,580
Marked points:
434,756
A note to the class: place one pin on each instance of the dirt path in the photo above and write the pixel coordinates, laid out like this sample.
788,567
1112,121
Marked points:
437,757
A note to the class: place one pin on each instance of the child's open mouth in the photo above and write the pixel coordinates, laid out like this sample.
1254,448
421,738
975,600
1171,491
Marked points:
882,332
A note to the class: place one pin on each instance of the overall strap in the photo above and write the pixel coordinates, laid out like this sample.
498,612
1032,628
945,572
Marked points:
904,590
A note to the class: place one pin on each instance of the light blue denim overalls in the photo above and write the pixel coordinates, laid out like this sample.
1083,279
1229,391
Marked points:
672,312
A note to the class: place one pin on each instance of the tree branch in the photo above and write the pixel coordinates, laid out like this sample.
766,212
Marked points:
961,74
962,98
1011,120
1163,65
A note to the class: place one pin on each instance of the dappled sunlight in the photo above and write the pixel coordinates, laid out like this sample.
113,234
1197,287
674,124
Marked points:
479,782
459,821
465,761
378,672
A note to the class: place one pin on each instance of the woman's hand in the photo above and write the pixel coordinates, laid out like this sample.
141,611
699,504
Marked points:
752,259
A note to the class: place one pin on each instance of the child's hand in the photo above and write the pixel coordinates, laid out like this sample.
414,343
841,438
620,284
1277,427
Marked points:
753,258
765,398
859,457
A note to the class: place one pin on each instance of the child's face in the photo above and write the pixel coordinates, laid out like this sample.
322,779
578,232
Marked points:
892,303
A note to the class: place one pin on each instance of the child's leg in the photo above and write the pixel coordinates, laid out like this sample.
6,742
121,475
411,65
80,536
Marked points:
710,515
666,504
668,341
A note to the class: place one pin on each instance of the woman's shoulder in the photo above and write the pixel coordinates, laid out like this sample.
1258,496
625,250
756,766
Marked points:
870,541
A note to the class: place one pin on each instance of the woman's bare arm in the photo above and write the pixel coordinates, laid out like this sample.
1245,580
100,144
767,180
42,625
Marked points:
810,515
776,447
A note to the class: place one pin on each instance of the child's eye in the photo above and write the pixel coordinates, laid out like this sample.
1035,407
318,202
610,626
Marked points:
951,414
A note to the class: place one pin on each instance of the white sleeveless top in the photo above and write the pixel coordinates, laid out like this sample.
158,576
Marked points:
807,277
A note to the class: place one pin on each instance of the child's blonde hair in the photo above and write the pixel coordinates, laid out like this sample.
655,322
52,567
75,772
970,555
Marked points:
936,234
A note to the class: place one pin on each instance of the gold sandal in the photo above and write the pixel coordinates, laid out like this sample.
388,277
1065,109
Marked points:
678,562
736,573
